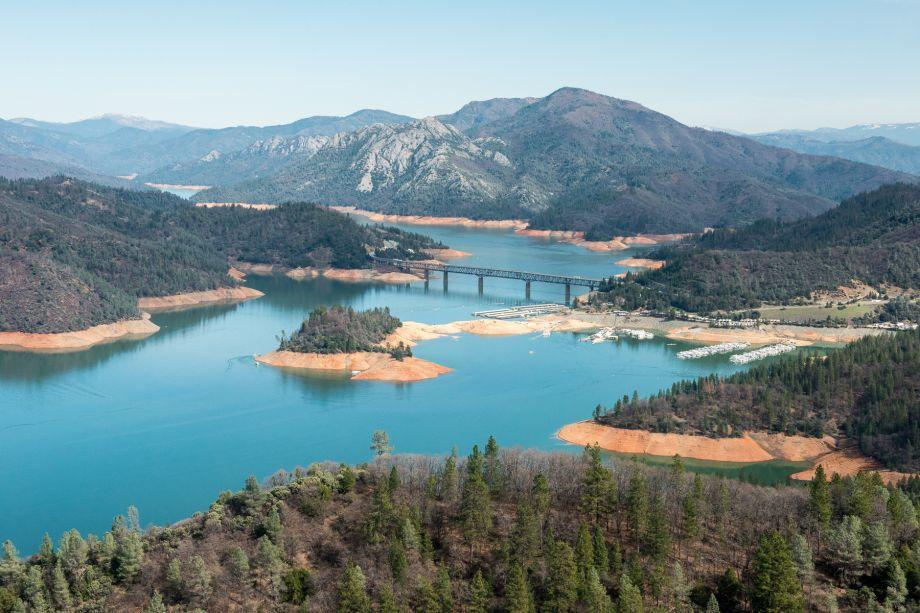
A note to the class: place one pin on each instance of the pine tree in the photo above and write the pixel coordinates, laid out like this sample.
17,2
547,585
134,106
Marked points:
443,590
775,585
239,563
629,599
713,605
819,500
540,495
525,536
426,599
449,478
596,484
34,591
129,555
562,580
156,604
398,561
271,526
175,586
657,540
480,594
72,552
476,503
601,557
876,547
680,589
493,469
518,598
596,598
200,583
387,602
60,589
46,551
584,559
11,567
801,553
895,585
844,547
637,504
393,481
689,518
352,592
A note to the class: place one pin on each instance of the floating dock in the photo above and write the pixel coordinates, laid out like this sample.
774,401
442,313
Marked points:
702,352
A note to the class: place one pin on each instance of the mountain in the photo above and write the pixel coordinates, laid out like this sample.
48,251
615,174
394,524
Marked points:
875,150
119,145
872,238
904,133
260,159
102,125
76,254
476,114
18,167
573,160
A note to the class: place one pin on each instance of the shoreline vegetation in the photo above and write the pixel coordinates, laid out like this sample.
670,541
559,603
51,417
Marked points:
177,186
79,340
752,447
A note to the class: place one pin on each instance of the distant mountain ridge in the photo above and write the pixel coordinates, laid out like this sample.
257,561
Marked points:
574,160
905,133
877,150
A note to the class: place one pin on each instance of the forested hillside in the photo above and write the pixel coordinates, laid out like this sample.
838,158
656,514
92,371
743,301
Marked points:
75,254
513,531
868,391
873,237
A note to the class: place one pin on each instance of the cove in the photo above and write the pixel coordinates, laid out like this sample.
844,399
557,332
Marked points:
168,422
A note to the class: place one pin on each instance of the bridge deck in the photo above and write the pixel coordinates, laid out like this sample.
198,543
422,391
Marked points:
490,272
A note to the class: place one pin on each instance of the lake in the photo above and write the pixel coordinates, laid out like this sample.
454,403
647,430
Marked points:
168,422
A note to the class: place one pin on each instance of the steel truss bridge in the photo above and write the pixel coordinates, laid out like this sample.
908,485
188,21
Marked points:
527,277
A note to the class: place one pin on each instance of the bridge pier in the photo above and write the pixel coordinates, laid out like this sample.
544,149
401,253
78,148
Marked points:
445,280
568,292
527,290
480,286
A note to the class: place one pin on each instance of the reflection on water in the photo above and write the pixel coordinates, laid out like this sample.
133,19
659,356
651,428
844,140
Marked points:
168,422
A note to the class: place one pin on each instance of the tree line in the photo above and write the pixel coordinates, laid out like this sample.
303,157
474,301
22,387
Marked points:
340,329
499,530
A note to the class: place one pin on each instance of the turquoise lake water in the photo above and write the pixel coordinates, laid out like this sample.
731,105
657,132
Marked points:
168,422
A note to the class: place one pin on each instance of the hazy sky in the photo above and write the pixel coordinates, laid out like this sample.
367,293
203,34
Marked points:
741,64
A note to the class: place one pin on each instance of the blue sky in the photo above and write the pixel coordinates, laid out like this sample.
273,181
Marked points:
746,65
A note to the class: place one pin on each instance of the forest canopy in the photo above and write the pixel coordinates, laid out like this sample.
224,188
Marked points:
339,329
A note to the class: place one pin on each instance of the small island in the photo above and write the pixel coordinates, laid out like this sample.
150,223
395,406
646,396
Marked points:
364,343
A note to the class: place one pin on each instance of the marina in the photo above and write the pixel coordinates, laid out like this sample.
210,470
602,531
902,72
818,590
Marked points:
704,352
763,352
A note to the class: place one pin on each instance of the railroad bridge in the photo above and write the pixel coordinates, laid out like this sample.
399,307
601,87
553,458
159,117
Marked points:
527,277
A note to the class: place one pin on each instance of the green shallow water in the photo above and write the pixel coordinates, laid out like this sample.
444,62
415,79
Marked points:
168,422
773,472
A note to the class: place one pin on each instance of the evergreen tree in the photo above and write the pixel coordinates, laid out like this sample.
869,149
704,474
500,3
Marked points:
476,503
525,536
60,589
629,599
352,592
129,555
596,484
393,481
596,598
493,470
175,586
729,592
443,590
637,504
656,540
239,563
562,580
347,479
540,495
11,567
200,583
584,559
680,589
713,605
895,585
819,500
480,594
876,547
775,585
449,477
34,591
426,599
72,552
156,604
46,551
689,517
844,548
271,526
518,597
801,553
387,602
398,561
601,556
